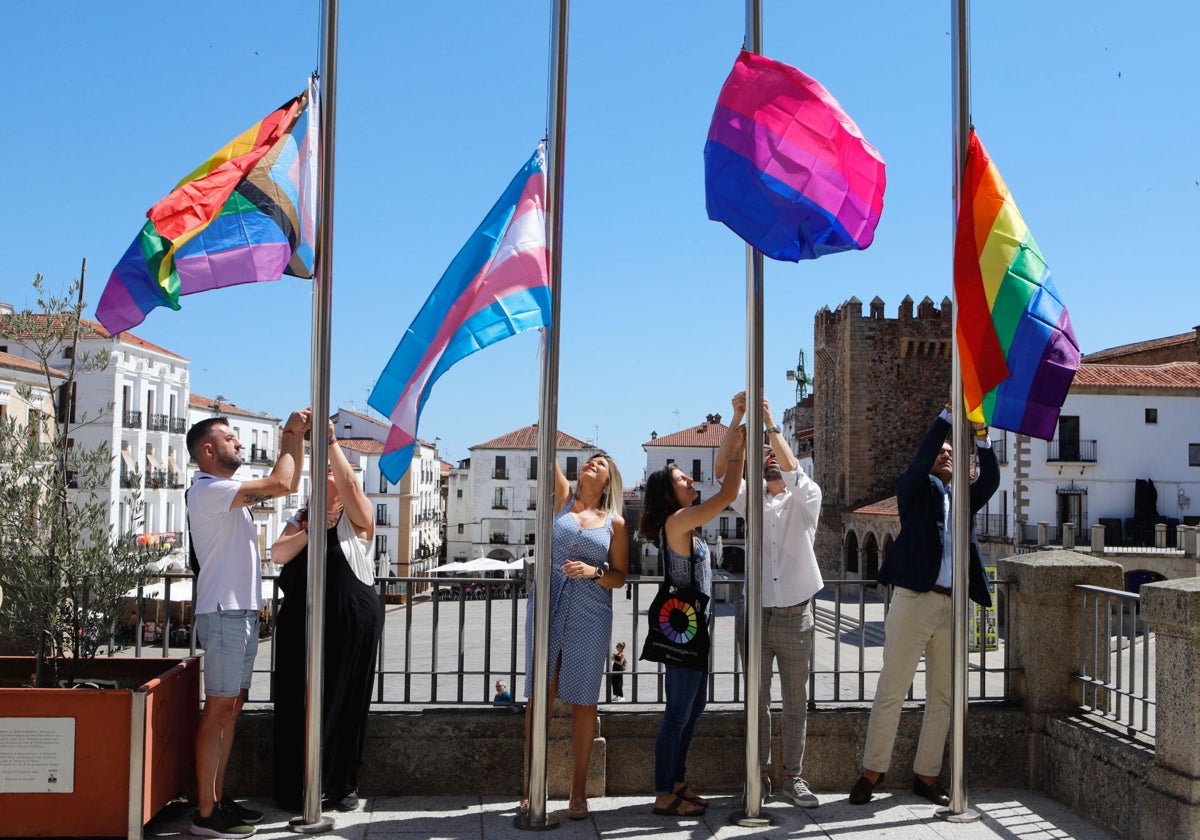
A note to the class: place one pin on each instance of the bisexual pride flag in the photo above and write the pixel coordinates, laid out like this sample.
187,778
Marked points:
1018,348
248,214
786,169
497,286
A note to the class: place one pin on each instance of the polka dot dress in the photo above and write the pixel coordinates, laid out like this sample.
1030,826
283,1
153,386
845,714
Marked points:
580,612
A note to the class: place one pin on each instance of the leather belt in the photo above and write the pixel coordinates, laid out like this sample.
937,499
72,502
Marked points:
941,590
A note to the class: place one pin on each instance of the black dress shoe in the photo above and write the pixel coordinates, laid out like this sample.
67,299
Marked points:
860,794
933,791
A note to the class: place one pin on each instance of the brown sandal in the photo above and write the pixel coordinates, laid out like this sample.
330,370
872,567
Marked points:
679,807
686,793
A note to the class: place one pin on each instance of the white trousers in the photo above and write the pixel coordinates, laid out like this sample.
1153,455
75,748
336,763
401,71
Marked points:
917,623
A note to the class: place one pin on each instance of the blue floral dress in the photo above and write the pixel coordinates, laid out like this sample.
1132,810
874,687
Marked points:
580,612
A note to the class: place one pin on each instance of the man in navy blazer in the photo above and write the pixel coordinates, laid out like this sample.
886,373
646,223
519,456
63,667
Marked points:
920,567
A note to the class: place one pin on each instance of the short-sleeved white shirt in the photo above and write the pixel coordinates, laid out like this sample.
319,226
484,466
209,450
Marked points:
226,547
790,573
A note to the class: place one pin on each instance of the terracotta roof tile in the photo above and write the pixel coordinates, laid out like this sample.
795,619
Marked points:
1141,347
8,360
702,434
226,407
367,446
883,507
93,329
1173,375
367,417
526,438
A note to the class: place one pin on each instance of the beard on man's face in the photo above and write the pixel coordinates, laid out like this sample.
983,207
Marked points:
772,473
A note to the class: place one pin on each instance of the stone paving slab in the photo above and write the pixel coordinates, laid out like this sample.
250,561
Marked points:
898,815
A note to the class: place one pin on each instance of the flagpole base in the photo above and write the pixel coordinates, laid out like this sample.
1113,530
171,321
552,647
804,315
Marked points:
299,826
523,822
970,815
759,821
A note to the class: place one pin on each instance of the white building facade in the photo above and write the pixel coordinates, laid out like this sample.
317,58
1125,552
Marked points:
694,450
1119,424
492,499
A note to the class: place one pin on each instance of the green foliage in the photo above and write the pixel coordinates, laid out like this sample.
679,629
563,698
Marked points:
64,572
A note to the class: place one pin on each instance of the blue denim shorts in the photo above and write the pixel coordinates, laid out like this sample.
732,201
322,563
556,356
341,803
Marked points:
230,642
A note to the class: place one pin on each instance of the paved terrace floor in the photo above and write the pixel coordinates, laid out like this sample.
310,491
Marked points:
1006,814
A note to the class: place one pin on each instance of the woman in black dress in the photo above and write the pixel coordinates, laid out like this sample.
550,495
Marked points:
616,680
353,624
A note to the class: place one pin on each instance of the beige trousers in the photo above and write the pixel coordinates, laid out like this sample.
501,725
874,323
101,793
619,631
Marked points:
917,623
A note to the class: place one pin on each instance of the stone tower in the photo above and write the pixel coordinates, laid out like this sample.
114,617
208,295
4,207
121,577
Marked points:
877,384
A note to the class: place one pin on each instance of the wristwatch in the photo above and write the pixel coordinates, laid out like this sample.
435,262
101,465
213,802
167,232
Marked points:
599,573
773,429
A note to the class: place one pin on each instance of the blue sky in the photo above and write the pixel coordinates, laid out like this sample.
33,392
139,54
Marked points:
1088,109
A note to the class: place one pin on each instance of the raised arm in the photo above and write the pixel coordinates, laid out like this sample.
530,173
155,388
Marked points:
285,475
354,500
722,458
291,542
562,487
783,450
681,523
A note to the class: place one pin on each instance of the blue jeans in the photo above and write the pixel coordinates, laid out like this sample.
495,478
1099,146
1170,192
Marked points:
686,695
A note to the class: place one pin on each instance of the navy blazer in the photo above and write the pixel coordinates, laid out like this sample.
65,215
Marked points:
915,558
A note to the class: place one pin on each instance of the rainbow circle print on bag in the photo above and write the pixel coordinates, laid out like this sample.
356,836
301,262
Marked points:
678,621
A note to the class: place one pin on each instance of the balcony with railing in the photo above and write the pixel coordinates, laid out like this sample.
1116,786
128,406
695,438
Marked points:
156,479
383,517
499,504
531,504
500,473
131,419
130,480
178,425
174,479
1071,450
530,539
264,506
158,423
1000,447
498,538
259,455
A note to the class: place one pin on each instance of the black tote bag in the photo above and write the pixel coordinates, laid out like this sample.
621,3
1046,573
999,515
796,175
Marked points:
677,627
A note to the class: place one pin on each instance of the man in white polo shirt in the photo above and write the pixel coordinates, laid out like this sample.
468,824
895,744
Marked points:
790,579
225,546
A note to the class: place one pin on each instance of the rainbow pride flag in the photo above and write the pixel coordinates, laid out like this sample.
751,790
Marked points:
248,214
1018,348
786,169
498,285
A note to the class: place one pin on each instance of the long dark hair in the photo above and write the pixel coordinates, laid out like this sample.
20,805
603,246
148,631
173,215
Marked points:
658,502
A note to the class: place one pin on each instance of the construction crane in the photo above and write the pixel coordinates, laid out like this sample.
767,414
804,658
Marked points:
801,379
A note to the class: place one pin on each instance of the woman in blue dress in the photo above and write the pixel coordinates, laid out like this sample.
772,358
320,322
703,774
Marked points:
589,559
667,509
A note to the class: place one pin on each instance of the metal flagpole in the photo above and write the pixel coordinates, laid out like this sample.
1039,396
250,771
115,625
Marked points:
536,819
752,815
960,499
312,821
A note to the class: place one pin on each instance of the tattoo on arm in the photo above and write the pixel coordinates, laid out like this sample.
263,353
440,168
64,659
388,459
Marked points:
252,499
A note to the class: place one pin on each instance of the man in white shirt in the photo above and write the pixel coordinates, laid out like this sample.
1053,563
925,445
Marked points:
228,599
790,579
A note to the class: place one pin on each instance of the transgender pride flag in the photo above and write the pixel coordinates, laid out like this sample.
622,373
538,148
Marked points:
786,168
497,286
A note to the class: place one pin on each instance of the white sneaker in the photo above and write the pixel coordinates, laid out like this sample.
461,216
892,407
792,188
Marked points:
795,790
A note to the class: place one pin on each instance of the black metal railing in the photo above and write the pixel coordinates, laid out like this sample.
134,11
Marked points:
1071,449
991,524
131,419
158,423
178,425
1116,679
448,641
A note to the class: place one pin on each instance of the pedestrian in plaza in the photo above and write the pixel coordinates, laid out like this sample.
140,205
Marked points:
589,558
353,623
790,579
919,567
668,512
228,584
503,696
616,681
